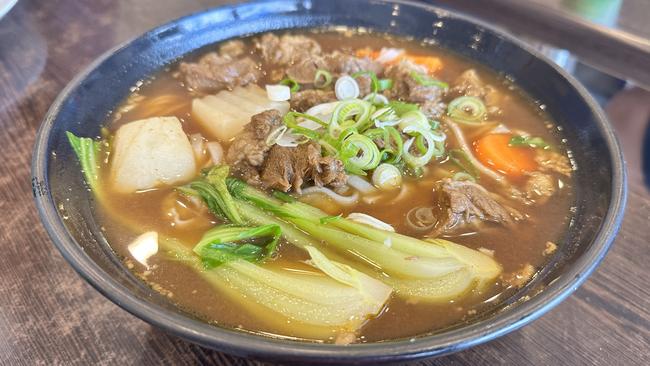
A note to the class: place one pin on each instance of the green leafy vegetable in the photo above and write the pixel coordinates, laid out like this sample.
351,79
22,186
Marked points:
307,305
292,84
374,82
88,152
385,84
528,141
460,158
426,80
402,107
226,243
212,189
322,79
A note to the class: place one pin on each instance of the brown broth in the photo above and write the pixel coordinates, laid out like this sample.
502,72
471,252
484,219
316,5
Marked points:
513,248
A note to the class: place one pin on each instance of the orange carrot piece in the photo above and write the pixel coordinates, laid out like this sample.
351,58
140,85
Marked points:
494,151
432,63
367,52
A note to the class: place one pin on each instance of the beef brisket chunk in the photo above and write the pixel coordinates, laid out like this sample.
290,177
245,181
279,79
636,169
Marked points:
463,202
250,146
406,88
288,167
303,100
214,72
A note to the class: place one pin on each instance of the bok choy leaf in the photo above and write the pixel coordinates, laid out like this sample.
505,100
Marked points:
88,152
310,305
226,243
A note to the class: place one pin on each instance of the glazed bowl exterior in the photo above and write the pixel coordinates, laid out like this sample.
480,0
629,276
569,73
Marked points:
86,102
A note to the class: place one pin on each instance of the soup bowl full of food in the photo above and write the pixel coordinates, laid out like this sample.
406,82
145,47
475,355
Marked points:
329,181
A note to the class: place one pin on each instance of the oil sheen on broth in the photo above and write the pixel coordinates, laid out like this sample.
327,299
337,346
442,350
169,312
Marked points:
521,249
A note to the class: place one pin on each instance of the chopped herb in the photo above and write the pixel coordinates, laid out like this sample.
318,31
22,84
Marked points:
425,80
528,141
292,84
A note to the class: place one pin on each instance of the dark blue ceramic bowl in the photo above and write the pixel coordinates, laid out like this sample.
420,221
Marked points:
83,106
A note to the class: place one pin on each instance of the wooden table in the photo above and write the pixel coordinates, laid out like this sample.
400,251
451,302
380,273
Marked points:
49,315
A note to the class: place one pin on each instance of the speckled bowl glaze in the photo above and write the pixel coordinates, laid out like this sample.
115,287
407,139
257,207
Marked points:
83,106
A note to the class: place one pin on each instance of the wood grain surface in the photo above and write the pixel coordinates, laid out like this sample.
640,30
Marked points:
50,316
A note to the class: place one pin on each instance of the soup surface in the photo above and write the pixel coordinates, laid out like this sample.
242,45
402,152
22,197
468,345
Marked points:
472,160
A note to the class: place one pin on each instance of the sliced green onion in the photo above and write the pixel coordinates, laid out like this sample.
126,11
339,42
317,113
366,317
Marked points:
460,158
528,141
227,243
323,75
402,107
387,176
433,148
353,113
292,84
291,122
426,80
385,116
468,110
414,118
360,152
384,84
346,88
394,145
376,99
374,82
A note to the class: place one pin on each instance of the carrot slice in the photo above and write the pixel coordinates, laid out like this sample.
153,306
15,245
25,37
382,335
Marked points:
494,151
432,63
367,52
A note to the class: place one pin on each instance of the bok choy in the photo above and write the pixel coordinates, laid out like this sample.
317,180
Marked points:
415,268
310,305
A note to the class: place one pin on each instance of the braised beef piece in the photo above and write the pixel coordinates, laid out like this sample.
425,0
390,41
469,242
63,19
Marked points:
463,202
288,167
470,84
551,161
539,187
406,88
214,72
234,48
337,63
287,49
250,146
329,172
303,100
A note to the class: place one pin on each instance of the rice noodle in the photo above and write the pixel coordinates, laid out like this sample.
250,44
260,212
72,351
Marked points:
404,191
421,218
215,151
361,184
342,200
463,145
370,221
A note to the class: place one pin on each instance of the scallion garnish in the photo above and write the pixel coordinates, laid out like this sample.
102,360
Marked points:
468,110
528,141
385,84
322,79
292,84
426,80
374,82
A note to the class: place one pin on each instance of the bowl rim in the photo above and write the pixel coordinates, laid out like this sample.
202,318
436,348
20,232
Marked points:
252,345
